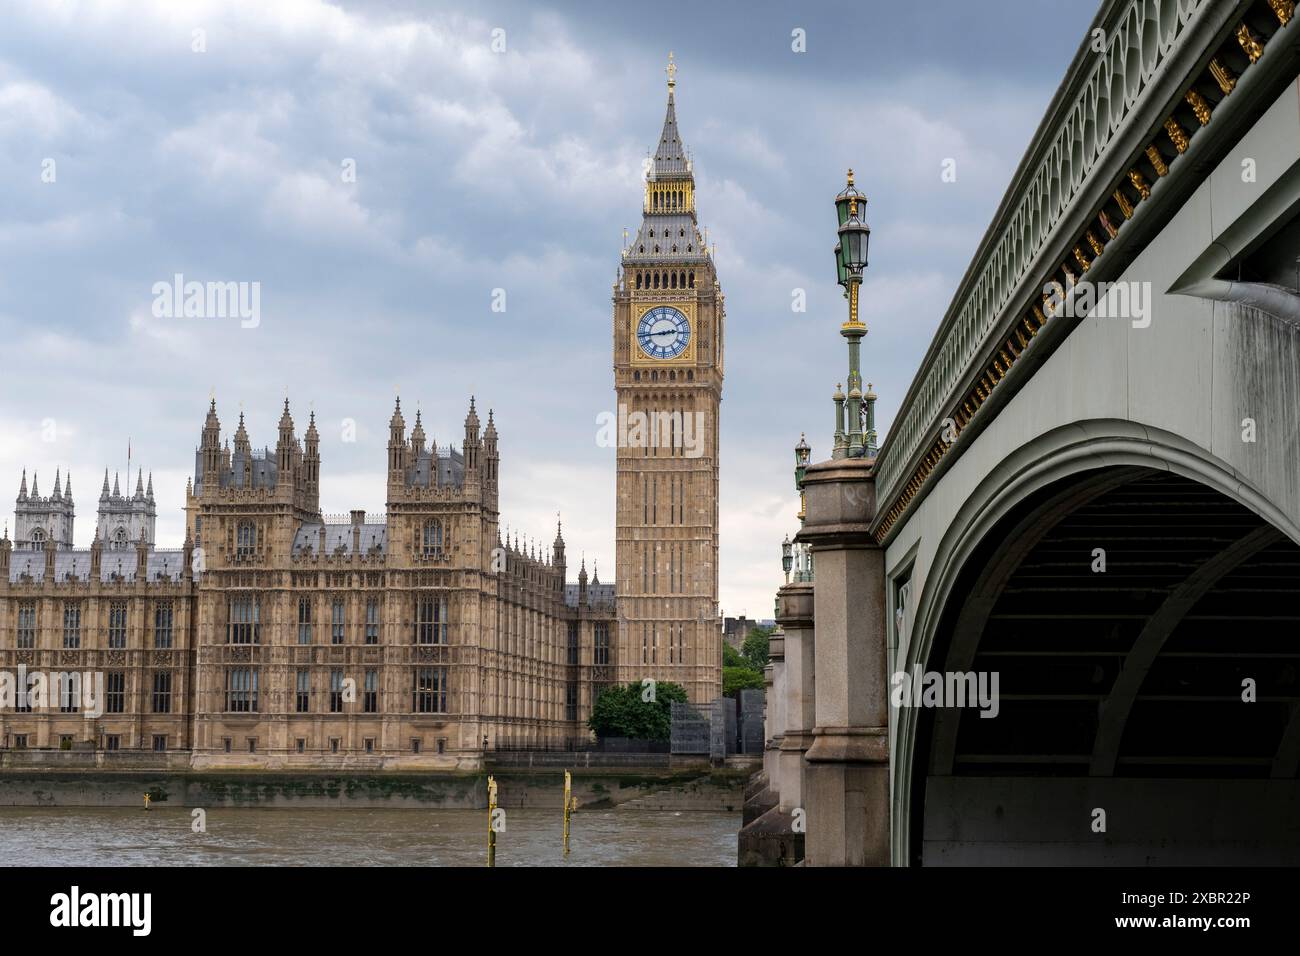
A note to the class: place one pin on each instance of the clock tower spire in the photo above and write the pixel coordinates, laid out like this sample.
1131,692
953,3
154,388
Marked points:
668,332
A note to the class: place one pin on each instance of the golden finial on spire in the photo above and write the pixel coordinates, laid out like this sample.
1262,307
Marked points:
850,176
671,71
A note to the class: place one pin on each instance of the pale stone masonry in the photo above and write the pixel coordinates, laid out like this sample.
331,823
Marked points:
277,637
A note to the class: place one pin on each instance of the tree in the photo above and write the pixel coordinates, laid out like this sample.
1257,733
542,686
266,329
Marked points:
731,657
736,679
640,711
754,650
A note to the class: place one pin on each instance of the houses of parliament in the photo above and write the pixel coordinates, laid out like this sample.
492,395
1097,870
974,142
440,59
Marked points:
278,636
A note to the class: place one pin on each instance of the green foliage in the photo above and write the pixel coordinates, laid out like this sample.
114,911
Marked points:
740,678
754,650
622,712
731,657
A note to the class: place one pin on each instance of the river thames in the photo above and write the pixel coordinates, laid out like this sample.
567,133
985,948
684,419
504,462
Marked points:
361,837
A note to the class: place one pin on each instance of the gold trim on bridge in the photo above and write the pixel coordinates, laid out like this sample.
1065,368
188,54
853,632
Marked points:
1119,206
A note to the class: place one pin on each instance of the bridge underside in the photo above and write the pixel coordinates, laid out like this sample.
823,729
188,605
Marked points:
1145,630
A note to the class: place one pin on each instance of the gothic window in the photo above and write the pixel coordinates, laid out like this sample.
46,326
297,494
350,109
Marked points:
638,280
431,620
372,621
304,620
573,642
673,278
71,624
600,652
115,698
690,376
336,690
370,702
241,690
69,692
431,542
26,625
38,537
120,541
302,696
162,692
117,625
244,625
336,622
245,539
690,280
429,691
162,624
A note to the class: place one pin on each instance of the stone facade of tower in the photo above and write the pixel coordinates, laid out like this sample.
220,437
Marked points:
40,519
668,366
417,639
123,520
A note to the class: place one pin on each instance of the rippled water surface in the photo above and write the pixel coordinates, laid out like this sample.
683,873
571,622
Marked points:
357,837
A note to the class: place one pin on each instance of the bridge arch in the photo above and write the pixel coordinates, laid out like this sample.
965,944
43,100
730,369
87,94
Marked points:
955,804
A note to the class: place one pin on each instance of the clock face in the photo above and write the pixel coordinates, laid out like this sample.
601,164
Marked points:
663,333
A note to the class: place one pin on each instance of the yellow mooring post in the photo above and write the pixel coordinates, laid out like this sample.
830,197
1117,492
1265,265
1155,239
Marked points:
492,830
568,808
146,801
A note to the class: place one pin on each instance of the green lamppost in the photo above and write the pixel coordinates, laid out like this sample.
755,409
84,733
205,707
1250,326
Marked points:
787,557
851,262
801,455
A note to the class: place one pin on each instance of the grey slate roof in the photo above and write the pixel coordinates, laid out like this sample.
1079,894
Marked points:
74,565
340,536
598,595
670,156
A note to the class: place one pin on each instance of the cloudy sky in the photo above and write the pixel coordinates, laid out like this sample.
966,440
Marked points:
127,156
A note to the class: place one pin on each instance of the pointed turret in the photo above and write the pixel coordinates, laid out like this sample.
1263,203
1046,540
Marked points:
473,444
148,492
139,485
397,447
103,492
35,491
242,446
669,232
285,447
58,491
417,436
22,488
116,491
67,488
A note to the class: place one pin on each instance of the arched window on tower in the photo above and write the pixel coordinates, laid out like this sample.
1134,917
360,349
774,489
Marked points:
245,540
120,540
38,537
431,541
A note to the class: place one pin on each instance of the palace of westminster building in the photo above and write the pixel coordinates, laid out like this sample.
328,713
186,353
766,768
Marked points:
279,637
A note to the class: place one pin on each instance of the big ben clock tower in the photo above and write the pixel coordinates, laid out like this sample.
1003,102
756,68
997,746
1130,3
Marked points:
668,327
